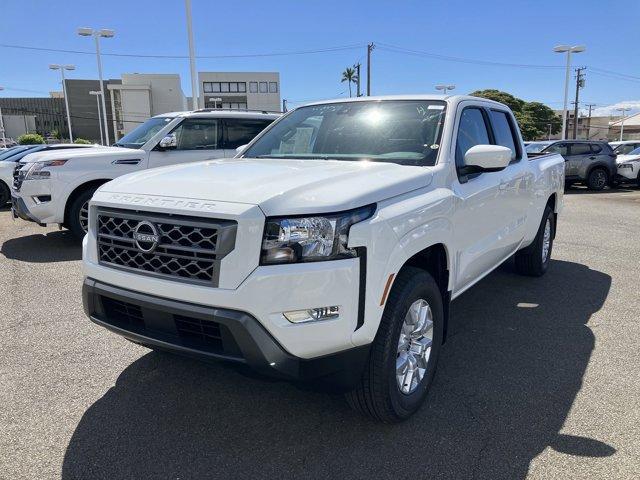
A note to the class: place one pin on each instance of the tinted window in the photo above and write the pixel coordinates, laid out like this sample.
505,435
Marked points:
561,148
625,148
472,131
196,134
503,132
240,132
143,133
580,149
596,148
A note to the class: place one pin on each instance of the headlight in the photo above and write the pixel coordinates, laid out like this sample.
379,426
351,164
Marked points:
36,172
310,238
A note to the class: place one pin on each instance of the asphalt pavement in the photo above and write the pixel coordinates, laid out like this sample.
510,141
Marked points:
539,379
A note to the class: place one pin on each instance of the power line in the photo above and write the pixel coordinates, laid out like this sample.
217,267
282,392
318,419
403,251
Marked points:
137,55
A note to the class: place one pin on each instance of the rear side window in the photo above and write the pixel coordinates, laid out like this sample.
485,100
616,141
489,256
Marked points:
580,149
596,148
561,148
240,132
472,131
504,133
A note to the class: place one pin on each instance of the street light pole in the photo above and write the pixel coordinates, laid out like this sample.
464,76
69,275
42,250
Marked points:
445,88
96,34
97,95
568,50
622,109
192,59
549,137
4,139
62,68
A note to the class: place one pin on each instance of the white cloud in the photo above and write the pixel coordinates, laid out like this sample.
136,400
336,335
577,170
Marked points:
608,110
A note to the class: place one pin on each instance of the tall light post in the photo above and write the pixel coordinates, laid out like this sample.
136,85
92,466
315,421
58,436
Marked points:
195,103
62,68
622,109
568,50
96,34
97,95
445,88
4,139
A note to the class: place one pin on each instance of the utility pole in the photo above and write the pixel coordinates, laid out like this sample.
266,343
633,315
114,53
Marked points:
284,105
579,85
357,65
370,48
590,106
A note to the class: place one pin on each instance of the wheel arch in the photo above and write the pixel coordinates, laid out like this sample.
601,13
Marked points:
77,191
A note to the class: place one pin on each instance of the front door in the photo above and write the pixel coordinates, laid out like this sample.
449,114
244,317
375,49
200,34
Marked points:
196,139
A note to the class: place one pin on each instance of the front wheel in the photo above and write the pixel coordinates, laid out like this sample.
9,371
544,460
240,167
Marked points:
78,216
534,260
598,179
405,351
5,194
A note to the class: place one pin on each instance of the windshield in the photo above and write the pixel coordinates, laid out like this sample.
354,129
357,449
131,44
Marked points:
397,131
536,147
142,134
632,152
13,151
626,149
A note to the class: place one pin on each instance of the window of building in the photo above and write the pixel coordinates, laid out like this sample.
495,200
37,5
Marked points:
273,87
206,86
263,87
224,87
504,133
242,87
253,87
233,87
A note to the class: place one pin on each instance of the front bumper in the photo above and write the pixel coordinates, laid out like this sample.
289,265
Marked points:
19,210
37,202
626,175
212,333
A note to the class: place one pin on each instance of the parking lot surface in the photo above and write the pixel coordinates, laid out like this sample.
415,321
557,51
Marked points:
538,379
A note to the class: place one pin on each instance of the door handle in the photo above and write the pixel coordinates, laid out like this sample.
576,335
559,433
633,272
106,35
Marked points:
592,158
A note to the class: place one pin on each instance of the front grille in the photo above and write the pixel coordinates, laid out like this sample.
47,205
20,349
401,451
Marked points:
183,248
18,177
123,314
196,329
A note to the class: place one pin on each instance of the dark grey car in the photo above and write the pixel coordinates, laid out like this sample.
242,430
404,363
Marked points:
588,162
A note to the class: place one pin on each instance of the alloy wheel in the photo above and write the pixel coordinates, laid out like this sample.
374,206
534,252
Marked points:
414,346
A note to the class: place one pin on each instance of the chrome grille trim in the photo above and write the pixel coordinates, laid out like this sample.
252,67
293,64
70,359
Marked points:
18,177
189,249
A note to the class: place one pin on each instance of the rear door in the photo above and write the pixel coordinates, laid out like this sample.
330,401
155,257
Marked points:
196,139
240,131
580,155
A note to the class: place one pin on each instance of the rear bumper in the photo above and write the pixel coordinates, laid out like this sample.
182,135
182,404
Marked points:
212,333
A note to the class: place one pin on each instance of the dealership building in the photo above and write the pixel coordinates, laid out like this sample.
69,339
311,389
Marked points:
240,90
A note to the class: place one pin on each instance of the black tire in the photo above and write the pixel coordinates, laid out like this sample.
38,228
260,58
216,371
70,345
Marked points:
598,179
5,194
72,222
529,260
378,394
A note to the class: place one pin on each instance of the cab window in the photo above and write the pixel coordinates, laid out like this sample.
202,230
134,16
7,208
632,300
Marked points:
239,131
504,133
198,134
472,131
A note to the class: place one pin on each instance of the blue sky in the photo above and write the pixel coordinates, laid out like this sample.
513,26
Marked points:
515,32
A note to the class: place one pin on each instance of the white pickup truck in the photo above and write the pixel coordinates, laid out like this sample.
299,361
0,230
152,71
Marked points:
55,187
330,248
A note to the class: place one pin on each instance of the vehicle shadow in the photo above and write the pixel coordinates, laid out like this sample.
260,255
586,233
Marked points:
59,246
508,376
579,190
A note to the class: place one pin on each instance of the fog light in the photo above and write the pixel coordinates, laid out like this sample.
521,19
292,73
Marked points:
312,314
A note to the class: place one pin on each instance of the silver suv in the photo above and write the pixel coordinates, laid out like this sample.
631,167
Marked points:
588,162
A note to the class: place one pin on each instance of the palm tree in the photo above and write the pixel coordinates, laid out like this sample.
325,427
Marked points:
349,75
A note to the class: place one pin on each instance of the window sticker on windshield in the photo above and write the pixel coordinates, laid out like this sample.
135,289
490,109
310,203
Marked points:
435,107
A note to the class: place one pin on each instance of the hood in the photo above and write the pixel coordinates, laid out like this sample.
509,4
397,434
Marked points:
90,152
627,158
279,187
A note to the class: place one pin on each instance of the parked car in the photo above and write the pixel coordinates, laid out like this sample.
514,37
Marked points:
624,147
50,189
592,163
629,168
330,249
10,158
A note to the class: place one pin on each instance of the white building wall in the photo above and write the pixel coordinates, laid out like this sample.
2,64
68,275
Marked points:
269,101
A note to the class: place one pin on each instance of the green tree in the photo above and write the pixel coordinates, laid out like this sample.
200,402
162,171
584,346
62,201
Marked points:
349,75
533,118
30,139
82,141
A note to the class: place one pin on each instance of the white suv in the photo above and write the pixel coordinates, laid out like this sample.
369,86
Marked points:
56,187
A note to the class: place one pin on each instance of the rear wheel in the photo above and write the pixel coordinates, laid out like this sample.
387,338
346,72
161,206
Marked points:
405,351
598,179
78,216
5,194
534,260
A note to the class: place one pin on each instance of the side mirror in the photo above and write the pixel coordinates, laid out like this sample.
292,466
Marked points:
487,158
240,149
168,142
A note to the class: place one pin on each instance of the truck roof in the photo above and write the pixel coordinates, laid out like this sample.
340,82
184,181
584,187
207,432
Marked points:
221,113
451,99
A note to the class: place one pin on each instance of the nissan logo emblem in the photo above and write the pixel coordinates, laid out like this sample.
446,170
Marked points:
146,236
